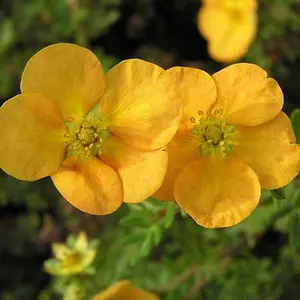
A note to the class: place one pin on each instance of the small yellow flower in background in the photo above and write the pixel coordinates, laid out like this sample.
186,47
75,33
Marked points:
74,257
229,26
98,137
233,140
124,290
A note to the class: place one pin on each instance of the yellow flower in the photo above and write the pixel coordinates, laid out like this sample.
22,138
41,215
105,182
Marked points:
71,258
229,26
98,137
124,290
233,140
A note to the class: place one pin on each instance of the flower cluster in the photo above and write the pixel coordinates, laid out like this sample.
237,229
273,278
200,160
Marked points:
105,140
98,137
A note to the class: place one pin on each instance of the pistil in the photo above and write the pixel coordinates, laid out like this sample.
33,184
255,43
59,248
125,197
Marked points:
213,133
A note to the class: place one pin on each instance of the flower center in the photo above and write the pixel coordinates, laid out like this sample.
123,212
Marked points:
87,134
213,133
86,137
71,259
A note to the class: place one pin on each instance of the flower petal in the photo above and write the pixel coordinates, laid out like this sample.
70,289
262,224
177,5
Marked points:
68,74
141,172
229,34
54,267
182,150
81,243
124,290
32,137
142,105
246,95
60,250
196,89
269,150
217,192
90,186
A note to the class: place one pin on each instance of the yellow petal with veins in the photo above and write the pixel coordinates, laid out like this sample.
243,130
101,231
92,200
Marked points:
69,75
270,150
32,137
197,91
141,172
143,108
182,151
217,192
246,95
90,186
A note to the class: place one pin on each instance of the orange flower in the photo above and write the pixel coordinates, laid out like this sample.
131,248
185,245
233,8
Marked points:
98,155
229,26
233,140
124,290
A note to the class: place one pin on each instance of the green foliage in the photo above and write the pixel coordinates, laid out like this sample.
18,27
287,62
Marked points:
278,194
147,220
277,44
295,119
28,26
170,255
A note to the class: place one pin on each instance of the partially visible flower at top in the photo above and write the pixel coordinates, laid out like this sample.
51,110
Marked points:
229,26
124,290
98,137
76,256
233,140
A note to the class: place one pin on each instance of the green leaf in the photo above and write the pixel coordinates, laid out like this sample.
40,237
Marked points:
156,234
7,35
183,213
297,199
152,205
135,207
279,194
170,215
147,245
144,249
295,120
294,231
134,238
133,221
277,203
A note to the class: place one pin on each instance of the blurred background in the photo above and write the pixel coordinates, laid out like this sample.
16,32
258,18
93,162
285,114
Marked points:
258,259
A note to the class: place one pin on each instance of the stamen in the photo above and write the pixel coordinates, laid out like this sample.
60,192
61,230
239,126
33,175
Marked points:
213,133
86,137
